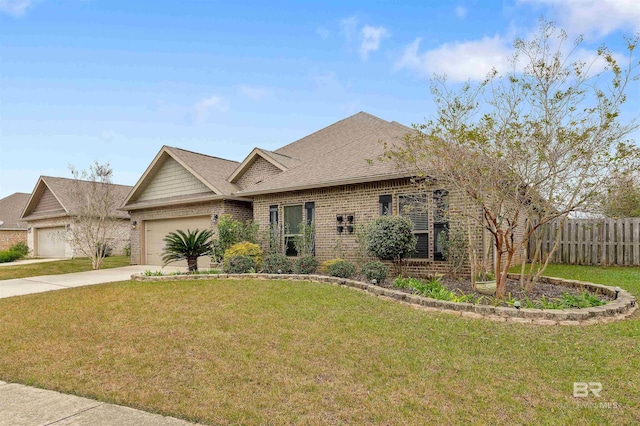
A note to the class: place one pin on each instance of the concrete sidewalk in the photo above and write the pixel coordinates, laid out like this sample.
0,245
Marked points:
28,262
26,406
20,286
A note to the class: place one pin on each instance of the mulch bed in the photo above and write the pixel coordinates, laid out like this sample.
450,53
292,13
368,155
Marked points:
549,291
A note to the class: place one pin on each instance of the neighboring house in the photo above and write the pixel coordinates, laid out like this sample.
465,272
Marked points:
331,178
49,216
12,229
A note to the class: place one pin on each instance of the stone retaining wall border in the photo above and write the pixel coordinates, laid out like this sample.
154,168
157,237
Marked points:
616,310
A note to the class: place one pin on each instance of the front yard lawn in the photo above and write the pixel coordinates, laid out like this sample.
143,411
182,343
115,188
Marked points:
282,352
60,267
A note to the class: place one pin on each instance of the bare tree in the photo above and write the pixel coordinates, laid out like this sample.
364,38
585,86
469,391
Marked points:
97,225
530,146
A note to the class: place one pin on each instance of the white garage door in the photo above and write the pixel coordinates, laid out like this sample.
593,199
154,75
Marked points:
51,242
156,230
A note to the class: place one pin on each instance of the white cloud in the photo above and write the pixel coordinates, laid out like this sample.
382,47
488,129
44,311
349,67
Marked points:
251,92
15,8
371,37
349,26
460,61
594,18
204,106
461,12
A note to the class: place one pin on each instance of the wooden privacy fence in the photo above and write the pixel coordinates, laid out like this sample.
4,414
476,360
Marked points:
592,241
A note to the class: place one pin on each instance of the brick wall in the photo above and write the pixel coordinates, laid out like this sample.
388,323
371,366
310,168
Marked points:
9,237
257,172
237,209
362,201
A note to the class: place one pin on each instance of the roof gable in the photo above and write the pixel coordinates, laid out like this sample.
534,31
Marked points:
176,173
55,196
249,162
172,179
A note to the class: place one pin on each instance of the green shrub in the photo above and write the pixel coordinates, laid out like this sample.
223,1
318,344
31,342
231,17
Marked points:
240,264
342,269
9,256
306,265
391,238
244,249
231,232
21,248
326,265
375,270
150,273
277,264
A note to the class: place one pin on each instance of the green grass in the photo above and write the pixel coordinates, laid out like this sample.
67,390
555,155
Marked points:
59,267
282,352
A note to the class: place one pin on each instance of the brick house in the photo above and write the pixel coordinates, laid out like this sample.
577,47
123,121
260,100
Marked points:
49,217
331,178
12,229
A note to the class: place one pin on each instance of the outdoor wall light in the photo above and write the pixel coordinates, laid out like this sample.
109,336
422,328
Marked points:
29,230
134,224
618,290
516,304
68,226
214,217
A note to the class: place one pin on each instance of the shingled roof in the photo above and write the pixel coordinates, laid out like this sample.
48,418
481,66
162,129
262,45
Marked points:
335,155
65,192
11,210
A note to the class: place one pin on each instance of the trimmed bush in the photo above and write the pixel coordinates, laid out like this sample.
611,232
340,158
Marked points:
277,264
375,270
342,269
240,265
244,249
21,248
391,238
9,256
326,265
306,265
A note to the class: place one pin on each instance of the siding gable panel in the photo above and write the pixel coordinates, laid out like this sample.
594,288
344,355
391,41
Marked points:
47,203
171,180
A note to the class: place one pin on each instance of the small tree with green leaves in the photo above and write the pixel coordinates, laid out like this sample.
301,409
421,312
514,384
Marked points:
187,246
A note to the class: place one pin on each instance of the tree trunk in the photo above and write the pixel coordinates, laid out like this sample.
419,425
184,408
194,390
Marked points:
192,264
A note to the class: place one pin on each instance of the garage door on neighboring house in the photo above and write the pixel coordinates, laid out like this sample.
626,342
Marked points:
156,230
51,242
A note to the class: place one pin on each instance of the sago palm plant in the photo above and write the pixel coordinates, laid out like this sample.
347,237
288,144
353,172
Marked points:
187,246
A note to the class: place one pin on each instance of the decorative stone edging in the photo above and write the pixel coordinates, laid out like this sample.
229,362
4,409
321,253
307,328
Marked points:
617,309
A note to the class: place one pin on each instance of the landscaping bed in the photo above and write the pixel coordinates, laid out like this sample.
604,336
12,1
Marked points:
542,291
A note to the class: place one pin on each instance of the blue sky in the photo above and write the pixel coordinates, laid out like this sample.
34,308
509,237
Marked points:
113,81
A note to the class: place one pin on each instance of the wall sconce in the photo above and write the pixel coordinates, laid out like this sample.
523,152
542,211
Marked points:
134,224
68,226
29,230
214,217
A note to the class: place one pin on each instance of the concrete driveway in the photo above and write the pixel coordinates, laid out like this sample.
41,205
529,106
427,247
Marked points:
20,286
